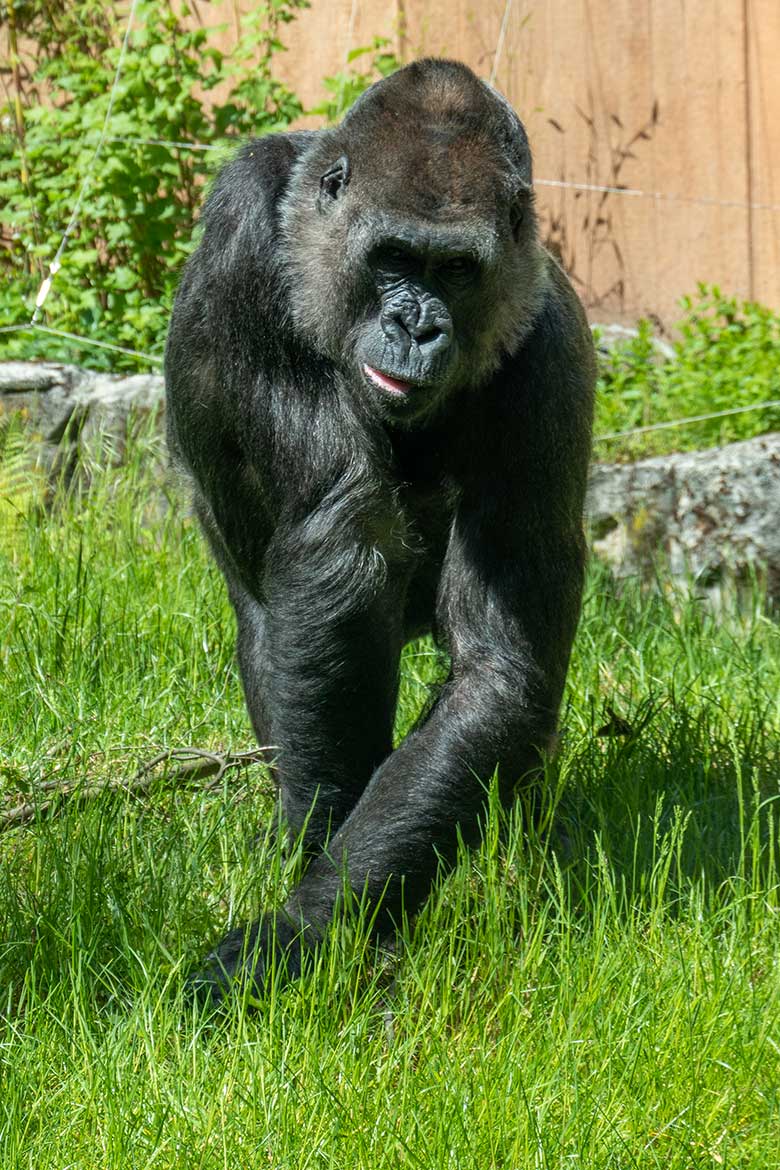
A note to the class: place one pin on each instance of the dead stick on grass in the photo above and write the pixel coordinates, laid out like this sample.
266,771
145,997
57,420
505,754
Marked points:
196,764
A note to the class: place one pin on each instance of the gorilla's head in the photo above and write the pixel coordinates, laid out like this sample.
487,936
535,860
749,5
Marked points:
411,239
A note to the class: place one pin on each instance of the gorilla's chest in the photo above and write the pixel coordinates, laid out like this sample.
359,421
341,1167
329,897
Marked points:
428,489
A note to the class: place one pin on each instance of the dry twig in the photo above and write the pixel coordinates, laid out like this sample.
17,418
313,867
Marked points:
195,764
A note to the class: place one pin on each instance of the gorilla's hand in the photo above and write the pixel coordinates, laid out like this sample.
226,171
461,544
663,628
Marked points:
248,960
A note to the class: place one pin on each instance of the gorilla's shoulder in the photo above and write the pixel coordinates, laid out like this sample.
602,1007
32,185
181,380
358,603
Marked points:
232,280
560,342
248,188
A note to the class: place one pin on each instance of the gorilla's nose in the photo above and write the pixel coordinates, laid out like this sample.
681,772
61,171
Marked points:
427,325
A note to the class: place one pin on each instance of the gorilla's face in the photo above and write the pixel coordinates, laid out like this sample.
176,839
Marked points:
413,253
421,283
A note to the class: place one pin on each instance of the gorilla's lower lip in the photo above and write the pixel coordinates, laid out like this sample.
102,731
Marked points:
392,385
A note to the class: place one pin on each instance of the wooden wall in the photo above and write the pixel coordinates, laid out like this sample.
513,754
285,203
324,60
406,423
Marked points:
677,99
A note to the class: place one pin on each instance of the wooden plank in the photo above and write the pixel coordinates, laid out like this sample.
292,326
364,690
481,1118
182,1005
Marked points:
763,53
715,162
316,42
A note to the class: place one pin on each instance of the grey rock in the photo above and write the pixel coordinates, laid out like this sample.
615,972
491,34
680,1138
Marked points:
714,515
40,392
69,407
612,336
23,377
104,406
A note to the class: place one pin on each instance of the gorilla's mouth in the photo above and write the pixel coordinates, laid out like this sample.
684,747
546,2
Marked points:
393,386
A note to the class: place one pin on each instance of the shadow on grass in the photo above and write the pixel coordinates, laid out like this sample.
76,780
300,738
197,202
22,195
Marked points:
666,791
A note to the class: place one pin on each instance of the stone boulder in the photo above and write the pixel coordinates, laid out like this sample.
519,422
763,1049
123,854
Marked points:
714,515
70,408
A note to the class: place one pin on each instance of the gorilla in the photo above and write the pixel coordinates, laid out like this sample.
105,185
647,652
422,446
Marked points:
380,385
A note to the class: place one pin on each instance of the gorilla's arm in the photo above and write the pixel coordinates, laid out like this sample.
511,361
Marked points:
499,706
228,344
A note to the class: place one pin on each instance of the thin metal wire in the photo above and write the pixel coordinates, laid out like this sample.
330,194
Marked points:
637,193
564,184
661,426
169,142
34,327
681,422
56,263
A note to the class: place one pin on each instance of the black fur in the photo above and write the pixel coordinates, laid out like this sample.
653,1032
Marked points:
350,513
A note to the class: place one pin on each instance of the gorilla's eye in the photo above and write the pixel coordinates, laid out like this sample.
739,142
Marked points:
399,257
459,268
394,259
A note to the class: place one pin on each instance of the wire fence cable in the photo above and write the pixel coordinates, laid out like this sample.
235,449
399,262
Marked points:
34,327
661,426
681,422
560,184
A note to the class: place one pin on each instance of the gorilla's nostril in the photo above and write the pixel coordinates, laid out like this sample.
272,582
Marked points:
432,338
426,334
431,346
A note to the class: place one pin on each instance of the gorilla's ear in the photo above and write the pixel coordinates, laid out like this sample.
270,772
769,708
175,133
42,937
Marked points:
333,182
519,208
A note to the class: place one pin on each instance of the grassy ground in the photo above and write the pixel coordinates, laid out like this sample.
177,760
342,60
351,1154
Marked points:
597,988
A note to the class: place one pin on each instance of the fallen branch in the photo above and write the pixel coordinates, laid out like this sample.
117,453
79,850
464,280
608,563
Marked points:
195,764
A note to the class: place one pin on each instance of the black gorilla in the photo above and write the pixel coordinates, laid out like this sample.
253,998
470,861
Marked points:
381,386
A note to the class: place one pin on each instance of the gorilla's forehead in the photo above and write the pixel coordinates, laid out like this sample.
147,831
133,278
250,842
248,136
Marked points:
436,114
437,167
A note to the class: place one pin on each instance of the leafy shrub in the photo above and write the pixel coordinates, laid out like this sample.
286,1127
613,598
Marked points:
726,355
135,224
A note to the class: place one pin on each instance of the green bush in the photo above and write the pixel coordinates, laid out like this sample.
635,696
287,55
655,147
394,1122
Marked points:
726,355
135,224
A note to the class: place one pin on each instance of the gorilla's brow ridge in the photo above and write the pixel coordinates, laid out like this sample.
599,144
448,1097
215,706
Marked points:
464,235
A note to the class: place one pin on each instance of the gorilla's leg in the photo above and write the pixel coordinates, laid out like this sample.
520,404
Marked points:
252,652
333,642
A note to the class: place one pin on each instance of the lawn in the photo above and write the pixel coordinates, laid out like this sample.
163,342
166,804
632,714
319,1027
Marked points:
598,986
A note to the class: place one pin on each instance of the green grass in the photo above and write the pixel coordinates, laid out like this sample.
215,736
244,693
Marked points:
598,986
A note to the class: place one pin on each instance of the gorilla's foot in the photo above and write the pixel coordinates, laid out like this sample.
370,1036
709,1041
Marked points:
247,961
